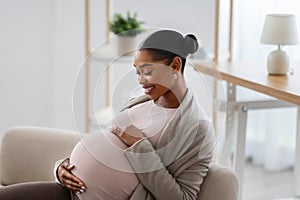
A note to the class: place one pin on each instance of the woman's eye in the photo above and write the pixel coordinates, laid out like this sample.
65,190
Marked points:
148,73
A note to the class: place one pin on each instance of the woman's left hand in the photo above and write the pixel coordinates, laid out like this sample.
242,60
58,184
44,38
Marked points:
129,136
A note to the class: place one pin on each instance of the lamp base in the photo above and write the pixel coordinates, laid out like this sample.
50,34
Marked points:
278,62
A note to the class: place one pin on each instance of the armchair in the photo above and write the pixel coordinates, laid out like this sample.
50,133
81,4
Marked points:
29,153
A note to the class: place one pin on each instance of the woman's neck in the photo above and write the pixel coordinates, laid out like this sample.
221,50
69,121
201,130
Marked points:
172,98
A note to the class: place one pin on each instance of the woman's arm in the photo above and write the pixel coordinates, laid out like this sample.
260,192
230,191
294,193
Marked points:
160,182
188,172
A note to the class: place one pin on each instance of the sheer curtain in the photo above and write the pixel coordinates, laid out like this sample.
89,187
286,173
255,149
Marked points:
270,133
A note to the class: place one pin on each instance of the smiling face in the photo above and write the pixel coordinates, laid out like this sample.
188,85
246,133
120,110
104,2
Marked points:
155,76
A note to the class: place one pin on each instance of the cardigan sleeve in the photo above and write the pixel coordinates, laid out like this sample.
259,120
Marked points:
158,180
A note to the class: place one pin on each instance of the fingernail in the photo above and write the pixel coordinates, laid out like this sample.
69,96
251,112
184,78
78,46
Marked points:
80,183
83,187
78,192
81,190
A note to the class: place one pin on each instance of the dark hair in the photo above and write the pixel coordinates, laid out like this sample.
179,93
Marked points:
167,44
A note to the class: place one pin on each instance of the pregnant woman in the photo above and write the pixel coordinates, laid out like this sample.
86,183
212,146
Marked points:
100,160
158,147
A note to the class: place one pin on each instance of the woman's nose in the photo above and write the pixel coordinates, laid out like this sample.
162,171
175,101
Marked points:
142,79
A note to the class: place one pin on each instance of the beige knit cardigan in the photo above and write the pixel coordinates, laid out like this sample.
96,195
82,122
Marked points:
175,169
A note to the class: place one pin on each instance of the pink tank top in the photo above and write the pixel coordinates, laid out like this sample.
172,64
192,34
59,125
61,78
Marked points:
99,157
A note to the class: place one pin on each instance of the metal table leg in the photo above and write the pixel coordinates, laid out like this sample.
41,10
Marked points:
239,155
225,158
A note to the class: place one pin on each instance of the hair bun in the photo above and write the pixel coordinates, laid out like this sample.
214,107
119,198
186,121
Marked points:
190,43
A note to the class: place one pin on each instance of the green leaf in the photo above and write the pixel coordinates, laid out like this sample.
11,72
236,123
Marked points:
128,26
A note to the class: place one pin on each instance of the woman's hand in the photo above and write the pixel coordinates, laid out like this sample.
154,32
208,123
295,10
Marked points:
68,179
129,136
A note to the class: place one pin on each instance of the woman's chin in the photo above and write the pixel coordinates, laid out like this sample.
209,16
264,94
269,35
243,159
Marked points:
152,96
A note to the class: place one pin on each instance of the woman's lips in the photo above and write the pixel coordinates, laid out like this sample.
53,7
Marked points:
148,89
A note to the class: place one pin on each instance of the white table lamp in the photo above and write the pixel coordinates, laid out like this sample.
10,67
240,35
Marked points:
279,29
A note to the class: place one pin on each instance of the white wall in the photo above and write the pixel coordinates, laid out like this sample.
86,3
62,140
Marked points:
42,49
190,16
69,56
26,50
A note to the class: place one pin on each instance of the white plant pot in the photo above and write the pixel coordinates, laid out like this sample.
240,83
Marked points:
126,45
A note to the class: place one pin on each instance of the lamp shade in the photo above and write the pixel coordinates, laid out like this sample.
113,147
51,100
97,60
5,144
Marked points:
280,29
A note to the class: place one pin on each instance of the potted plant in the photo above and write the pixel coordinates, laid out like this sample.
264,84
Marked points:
126,29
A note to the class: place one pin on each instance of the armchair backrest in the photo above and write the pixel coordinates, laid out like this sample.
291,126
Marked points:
29,153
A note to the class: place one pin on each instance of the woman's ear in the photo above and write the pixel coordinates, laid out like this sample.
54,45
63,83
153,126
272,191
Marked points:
176,64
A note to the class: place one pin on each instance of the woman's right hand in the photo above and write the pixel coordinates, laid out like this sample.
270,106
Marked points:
68,179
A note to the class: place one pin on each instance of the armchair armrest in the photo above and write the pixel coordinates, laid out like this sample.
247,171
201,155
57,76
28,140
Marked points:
220,183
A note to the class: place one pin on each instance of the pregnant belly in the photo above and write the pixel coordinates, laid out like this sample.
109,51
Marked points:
100,162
